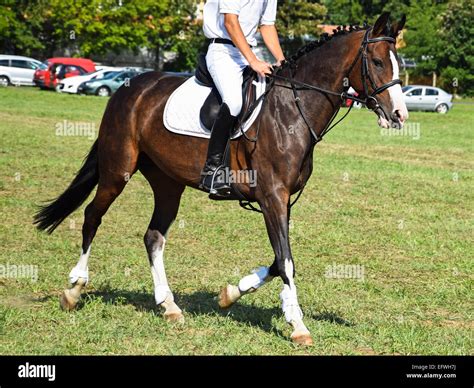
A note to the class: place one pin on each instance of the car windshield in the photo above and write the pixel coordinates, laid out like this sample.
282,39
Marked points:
43,66
93,74
405,88
36,64
124,74
112,75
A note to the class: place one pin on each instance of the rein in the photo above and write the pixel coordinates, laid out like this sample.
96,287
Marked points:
370,100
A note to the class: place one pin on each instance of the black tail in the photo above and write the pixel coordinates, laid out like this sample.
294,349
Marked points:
50,216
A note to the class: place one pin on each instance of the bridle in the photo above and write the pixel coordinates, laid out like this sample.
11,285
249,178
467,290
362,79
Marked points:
368,100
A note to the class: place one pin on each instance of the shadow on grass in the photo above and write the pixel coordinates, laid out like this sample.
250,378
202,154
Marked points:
203,303
331,317
195,304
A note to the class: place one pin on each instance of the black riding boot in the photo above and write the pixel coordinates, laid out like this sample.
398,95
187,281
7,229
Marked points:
214,175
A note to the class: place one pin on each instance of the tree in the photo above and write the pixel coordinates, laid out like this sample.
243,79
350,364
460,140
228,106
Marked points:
346,12
19,25
177,30
421,36
298,21
96,27
456,38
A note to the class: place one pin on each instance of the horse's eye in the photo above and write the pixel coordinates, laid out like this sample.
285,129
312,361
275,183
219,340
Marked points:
378,62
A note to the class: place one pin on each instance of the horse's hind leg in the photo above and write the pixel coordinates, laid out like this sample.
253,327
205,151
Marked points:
248,284
111,183
167,195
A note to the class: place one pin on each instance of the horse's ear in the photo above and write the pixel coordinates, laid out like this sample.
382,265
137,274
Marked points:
397,27
381,25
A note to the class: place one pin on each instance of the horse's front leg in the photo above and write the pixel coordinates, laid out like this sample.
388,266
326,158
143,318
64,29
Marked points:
276,212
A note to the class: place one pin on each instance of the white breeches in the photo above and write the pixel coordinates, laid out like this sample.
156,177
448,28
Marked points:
226,65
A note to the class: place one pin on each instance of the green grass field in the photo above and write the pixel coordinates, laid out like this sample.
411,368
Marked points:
401,208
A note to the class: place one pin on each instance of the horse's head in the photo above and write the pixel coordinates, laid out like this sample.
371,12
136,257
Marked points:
378,75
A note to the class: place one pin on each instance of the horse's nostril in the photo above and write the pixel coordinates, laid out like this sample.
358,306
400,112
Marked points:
397,116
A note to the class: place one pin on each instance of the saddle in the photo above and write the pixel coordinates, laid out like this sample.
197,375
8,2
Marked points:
212,104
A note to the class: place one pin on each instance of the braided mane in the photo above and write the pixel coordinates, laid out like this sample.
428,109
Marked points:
324,38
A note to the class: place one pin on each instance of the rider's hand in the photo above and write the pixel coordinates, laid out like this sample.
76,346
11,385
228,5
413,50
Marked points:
279,63
262,68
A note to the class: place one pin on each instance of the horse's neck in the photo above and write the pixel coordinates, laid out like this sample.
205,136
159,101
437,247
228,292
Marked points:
326,67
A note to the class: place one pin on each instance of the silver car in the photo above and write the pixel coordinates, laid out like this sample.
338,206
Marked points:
16,70
421,97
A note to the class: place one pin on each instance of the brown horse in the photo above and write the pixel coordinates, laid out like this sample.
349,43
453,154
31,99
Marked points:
304,98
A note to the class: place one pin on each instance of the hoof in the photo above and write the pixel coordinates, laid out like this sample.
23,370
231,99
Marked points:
228,296
67,302
303,339
175,317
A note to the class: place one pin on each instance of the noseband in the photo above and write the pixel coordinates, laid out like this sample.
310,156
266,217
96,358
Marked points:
369,100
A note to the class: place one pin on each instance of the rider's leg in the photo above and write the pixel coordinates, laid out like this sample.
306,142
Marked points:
212,180
226,65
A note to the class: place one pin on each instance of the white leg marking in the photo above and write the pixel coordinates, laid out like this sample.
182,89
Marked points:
248,284
254,281
162,289
289,299
81,270
289,270
396,93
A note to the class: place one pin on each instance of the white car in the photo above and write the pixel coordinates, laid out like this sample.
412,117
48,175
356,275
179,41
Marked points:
16,70
421,97
70,85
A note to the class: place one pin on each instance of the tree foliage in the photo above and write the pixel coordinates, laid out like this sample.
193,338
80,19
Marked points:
19,26
438,36
298,21
455,58
439,33
97,27
299,17
344,12
421,36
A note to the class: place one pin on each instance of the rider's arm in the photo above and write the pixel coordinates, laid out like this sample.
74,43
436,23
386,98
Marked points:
270,37
232,25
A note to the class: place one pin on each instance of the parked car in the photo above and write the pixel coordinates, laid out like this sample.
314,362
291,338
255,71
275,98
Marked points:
16,70
108,85
56,69
70,85
349,102
420,97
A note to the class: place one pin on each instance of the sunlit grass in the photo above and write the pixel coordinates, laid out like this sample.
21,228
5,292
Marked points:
399,207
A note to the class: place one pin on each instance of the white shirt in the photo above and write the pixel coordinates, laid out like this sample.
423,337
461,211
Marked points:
252,14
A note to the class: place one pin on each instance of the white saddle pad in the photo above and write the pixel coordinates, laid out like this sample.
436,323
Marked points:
184,105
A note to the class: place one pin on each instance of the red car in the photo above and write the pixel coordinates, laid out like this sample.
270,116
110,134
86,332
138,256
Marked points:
56,69
349,101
